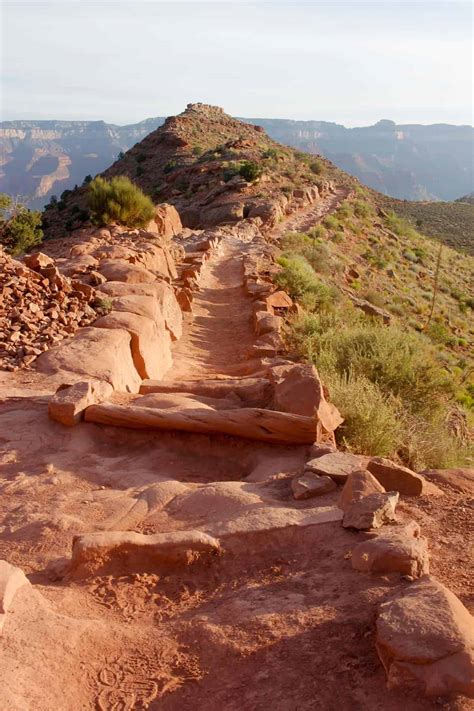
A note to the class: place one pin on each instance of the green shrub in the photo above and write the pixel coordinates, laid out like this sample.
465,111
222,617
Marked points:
317,166
20,228
344,211
331,222
250,171
374,297
197,151
362,209
119,200
371,419
317,232
299,280
400,226
141,157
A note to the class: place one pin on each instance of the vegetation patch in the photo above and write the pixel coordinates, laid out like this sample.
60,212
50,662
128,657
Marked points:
119,200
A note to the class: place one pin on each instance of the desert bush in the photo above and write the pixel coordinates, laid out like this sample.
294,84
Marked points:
344,211
317,166
374,297
362,209
400,226
250,171
299,280
371,418
170,166
317,232
316,253
20,228
119,200
331,222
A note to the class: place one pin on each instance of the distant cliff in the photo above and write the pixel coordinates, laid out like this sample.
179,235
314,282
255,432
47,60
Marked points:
411,162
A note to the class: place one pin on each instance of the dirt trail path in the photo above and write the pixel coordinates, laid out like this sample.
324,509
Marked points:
220,334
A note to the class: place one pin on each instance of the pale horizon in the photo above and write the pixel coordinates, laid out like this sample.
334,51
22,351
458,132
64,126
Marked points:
352,63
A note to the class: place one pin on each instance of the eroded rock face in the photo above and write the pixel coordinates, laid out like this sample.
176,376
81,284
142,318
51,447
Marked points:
425,639
397,550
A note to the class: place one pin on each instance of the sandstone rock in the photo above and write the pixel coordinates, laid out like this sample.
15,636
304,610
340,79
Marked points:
425,639
372,511
184,299
358,484
127,551
279,300
457,479
150,342
305,487
38,261
94,353
67,405
397,550
221,214
265,322
337,465
11,580
118,270
299,390
395,477
167,221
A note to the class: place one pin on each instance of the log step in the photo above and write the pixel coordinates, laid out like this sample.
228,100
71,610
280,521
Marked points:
248,423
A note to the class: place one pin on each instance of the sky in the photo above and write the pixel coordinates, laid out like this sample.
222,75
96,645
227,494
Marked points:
350,62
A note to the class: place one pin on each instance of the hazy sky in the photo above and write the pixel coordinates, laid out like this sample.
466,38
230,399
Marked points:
351,62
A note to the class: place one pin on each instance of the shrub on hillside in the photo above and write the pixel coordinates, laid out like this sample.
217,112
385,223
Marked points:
250,171
20,228
119,200
299,280
317,166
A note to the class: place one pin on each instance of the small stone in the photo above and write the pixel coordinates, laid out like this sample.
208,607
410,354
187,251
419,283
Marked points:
372,511
306,487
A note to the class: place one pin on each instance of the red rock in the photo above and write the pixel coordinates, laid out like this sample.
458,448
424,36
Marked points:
371,511
309,486
425,639
398,549
68,404
395,477
457,479
337,465
358,484
11,580
38,261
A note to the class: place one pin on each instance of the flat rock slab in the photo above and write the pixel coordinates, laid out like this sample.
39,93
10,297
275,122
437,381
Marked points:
425,638
271,526
397,550
68,404
306,487
337,465
11,580
249,423
120,551
252,391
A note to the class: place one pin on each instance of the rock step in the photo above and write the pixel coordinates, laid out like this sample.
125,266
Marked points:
249,423
256,392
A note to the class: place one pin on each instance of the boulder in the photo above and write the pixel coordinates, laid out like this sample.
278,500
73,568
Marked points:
299,390
118,270
371,511
358,484
337,465
11,580
306,487
265,322
221,214
278,300
398,550
94,353
425,639
67,405
269,212
38,261
395,477
150,342
166,222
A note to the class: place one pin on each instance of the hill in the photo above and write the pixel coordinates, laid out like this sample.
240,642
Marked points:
412,162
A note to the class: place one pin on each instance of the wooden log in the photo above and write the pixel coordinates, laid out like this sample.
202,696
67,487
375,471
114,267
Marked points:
249,423
255,392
